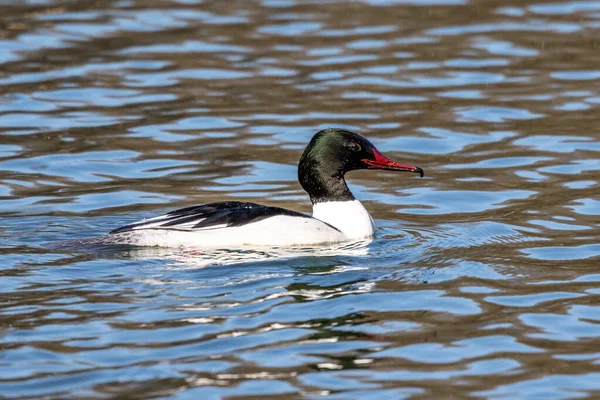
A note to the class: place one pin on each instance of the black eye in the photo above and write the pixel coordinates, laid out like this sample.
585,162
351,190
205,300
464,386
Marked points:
355,147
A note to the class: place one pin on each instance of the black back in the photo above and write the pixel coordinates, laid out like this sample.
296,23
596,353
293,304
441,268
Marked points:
206,216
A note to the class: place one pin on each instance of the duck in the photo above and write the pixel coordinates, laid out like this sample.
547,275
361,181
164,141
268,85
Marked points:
337,215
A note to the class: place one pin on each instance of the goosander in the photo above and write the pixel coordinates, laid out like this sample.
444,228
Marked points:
337,215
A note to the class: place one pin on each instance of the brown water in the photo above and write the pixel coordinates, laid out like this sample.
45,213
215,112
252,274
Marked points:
483,281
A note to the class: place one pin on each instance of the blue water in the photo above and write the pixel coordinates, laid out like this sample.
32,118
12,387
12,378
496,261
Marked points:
483,279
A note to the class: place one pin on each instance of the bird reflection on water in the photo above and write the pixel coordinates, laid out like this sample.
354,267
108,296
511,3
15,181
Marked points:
193,257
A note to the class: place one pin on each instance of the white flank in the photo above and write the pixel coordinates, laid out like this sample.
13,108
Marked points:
350,217
280,230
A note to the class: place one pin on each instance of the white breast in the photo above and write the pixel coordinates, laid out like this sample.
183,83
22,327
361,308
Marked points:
350,217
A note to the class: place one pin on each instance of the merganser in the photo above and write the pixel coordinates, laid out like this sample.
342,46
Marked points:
337,215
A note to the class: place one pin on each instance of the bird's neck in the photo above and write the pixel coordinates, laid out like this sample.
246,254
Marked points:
324,186
333,202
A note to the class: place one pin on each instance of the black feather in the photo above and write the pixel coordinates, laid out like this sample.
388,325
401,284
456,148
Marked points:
228,213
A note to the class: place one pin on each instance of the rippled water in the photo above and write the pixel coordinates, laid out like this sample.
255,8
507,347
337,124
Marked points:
483,280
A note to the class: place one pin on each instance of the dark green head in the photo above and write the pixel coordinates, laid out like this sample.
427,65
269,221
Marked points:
330,154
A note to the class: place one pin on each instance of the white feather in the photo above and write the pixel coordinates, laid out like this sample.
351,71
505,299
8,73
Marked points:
350,217
280,230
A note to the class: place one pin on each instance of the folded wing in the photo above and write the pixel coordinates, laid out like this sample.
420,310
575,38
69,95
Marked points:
210,216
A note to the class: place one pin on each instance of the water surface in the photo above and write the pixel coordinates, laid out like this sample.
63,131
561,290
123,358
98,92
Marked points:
482,282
